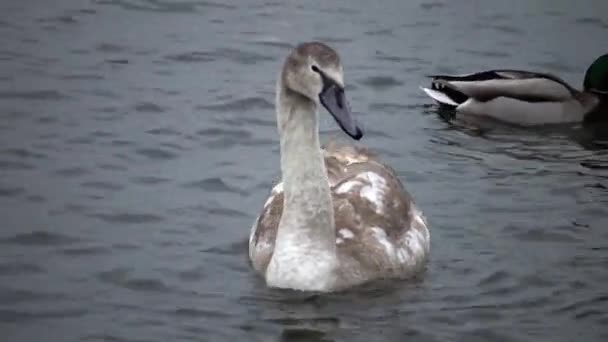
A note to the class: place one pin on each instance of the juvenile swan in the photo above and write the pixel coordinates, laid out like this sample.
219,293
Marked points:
339,217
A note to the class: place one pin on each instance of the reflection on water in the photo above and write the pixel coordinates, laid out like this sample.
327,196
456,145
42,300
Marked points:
138,141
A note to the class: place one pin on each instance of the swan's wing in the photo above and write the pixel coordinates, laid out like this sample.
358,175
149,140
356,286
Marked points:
264,230
379,231
518,84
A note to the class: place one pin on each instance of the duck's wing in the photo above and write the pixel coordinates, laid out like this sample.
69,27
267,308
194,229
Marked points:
484,86
379,230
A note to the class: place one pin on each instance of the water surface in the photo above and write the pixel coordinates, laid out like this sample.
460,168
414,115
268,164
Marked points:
138,143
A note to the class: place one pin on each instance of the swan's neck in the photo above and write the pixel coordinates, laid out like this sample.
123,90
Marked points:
305,250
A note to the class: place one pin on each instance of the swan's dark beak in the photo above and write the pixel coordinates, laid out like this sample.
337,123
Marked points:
334,100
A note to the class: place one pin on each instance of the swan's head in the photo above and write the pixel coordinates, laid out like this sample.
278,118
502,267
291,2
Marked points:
313,70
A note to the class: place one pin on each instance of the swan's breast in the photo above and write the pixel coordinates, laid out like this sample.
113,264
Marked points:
378,228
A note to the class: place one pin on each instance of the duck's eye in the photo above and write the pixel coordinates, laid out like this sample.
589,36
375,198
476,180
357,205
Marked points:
315,69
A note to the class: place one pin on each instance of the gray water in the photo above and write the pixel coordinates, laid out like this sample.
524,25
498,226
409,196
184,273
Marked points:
138,143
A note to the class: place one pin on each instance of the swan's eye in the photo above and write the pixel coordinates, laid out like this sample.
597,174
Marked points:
315,69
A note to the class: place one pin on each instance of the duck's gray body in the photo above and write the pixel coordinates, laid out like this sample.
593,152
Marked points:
514,96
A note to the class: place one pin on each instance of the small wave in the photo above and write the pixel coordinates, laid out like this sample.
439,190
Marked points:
36,198
156,153
129,218
101,185
166,6
23,153
198,313
380,32
17,268
391,108
39,238
432,5
193,274
10,296
244,121
11,191
274,44
214,184
149,180
223,133
192,57
486,53
110,48
214,209
80,141
149,107
122,142
85,251
164,131
239,105
112,167
333,40
222,54
511,30
72,172
120,277
17,316
61,19
592,21
43,95
381,82
81,77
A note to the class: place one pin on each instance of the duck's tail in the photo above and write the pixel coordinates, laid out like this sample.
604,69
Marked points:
445,93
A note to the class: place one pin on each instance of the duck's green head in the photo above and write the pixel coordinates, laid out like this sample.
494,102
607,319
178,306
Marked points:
596,78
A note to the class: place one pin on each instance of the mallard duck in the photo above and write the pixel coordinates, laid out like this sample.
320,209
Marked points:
525,97
339,217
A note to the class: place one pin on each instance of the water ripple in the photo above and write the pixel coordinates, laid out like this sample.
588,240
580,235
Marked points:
23,153
121,277
165,6
17,268
592,21
149,180
148,107
9,296
20,316
222,54
239,105
11,191
129,218
381,82
34,95
71,172
100,185
39,238
214,184
223,133
432,5
164,131
156,153
197,313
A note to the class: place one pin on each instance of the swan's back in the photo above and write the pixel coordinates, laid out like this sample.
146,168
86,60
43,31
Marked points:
379,231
